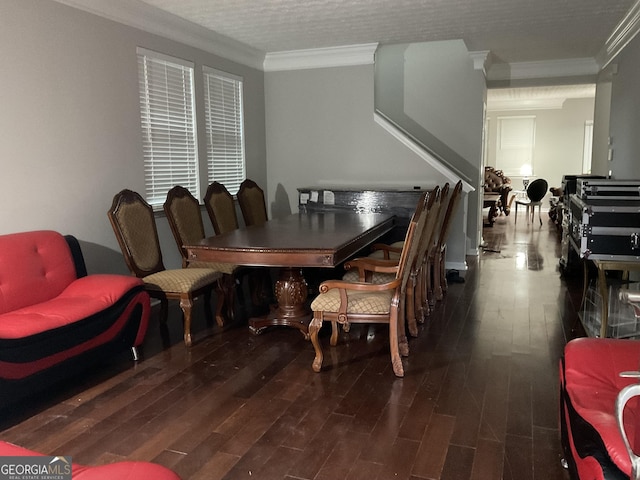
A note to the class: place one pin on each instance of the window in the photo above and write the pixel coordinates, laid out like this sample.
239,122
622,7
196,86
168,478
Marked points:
168,125
516,142
224,128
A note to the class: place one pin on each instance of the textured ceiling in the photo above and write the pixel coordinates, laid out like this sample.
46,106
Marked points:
513,30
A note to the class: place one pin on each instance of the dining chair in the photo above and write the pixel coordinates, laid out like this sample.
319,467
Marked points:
437,257
424,281
417,288
252,203
343,302
536,191
185,220
135,229
222,213
220,208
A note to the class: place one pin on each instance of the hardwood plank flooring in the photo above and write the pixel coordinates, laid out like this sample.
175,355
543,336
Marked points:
478,400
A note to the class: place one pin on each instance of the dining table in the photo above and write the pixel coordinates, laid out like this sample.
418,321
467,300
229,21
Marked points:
291,243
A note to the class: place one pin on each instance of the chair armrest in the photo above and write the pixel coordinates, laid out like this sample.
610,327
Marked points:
626,394
386,249
368,265
357,286
632,298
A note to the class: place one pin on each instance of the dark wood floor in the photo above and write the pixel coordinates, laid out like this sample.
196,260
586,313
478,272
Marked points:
478,401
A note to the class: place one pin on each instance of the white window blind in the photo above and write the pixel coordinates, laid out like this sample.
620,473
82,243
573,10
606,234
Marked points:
168,125
225,128
515,144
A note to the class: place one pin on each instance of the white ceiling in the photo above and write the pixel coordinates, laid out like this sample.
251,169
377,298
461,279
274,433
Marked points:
513,30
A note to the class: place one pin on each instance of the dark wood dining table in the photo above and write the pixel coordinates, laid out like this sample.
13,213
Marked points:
322,240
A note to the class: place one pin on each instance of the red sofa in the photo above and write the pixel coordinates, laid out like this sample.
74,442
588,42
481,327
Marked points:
54,317
590,383
113,471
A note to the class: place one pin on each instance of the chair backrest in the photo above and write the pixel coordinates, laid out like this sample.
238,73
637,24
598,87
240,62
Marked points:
221,208
452,206
252,204
184,217
445,194
495,180
135,228
537,189
425,220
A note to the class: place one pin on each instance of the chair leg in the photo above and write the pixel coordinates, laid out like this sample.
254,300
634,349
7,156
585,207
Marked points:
433,275
403,343
314,328
440,278
228,287
396,361
334,333
186,304
410,306
539,214
221,302
444,286
420,295
164,309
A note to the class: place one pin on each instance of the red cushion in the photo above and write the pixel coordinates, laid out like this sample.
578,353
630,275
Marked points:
34,267
592,380
82,298
119,470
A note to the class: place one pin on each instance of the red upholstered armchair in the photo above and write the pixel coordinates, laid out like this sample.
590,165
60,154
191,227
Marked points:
599,409
112,471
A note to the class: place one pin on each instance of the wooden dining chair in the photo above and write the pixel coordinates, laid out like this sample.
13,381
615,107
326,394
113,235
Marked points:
426,281
220,208
135,229
416,290
185,220
222,212
252,203
343,302
437,259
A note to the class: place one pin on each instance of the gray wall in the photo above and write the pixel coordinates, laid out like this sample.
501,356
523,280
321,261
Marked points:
558,142
624,124
70,125
321,131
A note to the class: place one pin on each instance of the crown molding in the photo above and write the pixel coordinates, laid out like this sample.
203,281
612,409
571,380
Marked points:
137,14
572,67
349,55
529,104
481,60
621,35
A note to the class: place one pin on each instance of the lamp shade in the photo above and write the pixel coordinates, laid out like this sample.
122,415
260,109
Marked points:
526,170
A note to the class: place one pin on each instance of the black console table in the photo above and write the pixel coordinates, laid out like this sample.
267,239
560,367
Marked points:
397,201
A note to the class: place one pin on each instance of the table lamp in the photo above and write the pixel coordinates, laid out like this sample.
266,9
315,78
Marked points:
526,171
